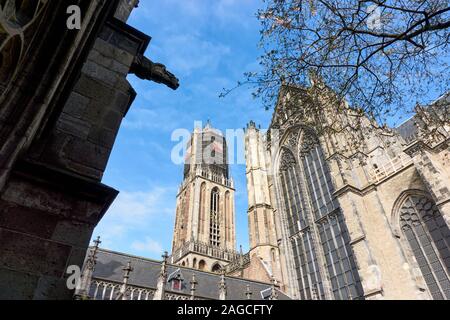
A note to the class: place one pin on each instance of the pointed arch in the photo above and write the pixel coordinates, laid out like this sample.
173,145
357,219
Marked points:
322,254
227,216
202,213
216,268
425,237
214,222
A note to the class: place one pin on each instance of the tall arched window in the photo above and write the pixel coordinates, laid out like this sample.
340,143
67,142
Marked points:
316,225
227,212
339,261
214,222
299,228
203,206
429,238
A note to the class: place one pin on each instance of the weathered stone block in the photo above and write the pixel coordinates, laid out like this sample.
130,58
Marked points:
120,40
25,253
17,285
100,73
112,120
27,195
27,220
76,105
103,137
72,232
78,128
109,63
109,51
92,88
88,154
52,288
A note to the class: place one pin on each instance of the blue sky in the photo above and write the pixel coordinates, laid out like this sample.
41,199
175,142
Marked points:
208,45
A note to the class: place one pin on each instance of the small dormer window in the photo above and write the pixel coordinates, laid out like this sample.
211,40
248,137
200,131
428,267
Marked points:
176,284
176,280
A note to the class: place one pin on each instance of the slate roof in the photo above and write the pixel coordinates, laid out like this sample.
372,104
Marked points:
145,274
409,129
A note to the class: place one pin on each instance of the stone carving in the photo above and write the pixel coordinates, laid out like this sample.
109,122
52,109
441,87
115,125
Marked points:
287,160
422,225
17,19
414,206
309,141
146,69
292,141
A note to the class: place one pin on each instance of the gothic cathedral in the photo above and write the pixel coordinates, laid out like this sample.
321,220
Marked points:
331,216
328,219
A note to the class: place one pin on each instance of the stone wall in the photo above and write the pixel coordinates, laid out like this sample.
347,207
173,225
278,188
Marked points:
51,196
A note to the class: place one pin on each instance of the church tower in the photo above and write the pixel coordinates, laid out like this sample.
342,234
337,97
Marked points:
204,235
261,211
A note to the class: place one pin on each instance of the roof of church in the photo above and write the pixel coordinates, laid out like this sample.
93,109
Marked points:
145,274
409,129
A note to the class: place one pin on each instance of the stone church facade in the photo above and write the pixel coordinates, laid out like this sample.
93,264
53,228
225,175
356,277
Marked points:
204,264
340,222
327,220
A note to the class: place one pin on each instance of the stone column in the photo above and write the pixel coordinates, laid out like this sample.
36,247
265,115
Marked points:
82,292
193,286
123,289
222,288
273,292
161,285
248,293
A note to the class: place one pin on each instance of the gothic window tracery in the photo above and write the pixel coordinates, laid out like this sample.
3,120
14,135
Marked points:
203,204
305,259
227,217
17,27
429,239
316,224
214,224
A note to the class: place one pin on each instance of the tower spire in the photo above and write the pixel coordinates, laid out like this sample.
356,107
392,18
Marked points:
222,288
248,293
126,276
273,292
161,285
82,292
193,286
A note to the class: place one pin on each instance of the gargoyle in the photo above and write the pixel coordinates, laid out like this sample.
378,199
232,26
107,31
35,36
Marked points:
145,69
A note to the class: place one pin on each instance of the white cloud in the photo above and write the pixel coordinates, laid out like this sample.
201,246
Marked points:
187,52
132,220
148,246
165,119
142,205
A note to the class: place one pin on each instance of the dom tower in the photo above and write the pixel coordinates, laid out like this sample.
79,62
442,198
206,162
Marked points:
204,236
